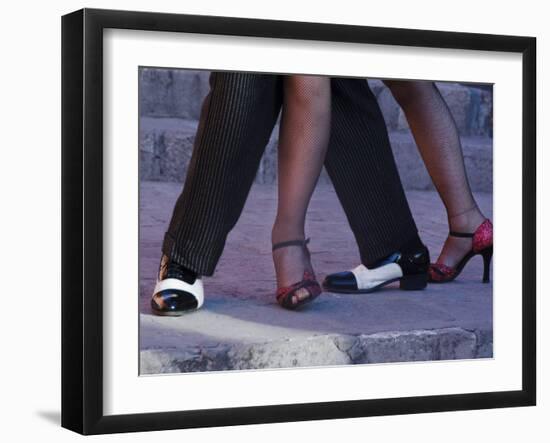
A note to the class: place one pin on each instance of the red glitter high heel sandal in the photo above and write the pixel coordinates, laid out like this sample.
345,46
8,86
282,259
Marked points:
302,292
482,245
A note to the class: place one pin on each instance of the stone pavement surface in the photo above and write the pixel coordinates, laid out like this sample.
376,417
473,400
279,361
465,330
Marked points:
241,326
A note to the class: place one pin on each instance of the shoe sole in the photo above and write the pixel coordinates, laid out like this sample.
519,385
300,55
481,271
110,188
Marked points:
412,283
172,313
300,304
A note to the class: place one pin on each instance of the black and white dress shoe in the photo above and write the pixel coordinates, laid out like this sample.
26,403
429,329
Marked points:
178,290
410,269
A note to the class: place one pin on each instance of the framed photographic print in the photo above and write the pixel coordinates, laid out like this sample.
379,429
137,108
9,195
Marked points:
268,221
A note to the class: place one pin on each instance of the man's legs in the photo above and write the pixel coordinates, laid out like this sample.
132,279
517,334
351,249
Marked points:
362,168
237,118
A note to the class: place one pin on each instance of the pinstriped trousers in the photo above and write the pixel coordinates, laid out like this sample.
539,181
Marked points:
237,118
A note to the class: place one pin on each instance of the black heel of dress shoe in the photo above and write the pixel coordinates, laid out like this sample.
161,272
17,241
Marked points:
413,282
487,255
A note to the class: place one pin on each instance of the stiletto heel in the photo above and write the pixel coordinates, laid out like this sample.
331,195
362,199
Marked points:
487,255
482,244
302,292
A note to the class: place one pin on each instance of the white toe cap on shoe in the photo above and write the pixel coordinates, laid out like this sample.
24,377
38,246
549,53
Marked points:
370,278
196,289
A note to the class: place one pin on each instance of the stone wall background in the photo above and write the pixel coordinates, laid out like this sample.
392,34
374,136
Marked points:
170,102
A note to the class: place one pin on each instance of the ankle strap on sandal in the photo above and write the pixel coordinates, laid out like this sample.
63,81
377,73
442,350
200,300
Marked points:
290,243
460,234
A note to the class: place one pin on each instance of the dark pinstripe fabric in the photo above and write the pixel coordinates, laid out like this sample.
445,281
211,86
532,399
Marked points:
361,166
237,118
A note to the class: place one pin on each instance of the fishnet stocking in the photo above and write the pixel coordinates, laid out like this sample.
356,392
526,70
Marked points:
303,141
436,136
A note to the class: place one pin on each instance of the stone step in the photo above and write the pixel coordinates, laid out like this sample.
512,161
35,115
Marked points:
181,351
241,326
472,107
478,160
175,93
178,93
166,146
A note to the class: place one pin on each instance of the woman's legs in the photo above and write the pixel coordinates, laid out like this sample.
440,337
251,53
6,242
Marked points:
436,136
303,140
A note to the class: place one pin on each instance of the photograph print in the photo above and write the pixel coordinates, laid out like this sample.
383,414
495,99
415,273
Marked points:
306,221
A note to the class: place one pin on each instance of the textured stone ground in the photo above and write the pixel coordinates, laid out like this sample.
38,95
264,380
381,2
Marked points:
241,326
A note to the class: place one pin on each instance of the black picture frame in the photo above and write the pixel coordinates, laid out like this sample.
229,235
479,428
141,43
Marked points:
82,218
